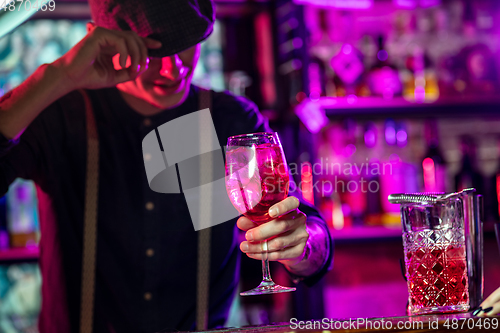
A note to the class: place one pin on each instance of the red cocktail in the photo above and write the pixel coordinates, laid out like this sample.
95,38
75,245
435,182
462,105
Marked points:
256,179
253,189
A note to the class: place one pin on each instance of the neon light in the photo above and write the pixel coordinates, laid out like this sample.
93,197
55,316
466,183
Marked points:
312,115
429,175
390,133
370,138
410,4
402,137
382,55
306,180
347,48
337,216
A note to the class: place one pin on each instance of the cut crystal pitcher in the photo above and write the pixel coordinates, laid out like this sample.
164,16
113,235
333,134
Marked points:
443,245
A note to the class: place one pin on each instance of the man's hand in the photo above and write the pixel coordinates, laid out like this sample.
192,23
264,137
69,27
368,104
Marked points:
490,306
287,234
89,64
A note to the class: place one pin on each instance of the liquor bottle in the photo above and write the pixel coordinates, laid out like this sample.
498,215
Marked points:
321,50
373,204
396,174
354,194
468,176
383,77
22,214
421,84
433,163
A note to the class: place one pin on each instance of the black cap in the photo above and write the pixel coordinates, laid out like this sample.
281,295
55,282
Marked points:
177,24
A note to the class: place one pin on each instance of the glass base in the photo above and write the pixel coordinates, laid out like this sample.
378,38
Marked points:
440,309
267,287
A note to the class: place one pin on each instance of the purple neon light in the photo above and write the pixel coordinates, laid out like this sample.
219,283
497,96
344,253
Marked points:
390,133
402,137
382,55
297,43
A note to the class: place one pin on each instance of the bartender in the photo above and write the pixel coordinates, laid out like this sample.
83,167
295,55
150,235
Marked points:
136,64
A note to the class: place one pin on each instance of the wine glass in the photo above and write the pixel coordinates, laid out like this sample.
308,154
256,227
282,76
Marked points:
257,178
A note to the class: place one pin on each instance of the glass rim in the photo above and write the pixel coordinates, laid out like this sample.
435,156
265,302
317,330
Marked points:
252,135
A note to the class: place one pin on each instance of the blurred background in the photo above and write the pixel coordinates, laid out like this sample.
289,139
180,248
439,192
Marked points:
370,97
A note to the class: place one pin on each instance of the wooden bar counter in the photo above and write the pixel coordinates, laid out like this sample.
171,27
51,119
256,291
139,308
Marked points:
437,323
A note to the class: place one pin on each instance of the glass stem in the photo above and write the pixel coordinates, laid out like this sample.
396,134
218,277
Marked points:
266,275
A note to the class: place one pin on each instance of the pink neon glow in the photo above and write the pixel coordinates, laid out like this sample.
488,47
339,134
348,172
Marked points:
306,178
410,4
370,138
429,175
314,80
429,3
347,48
351,99
312,115
347,4
390,134
419,94
349,150
498,192
264,58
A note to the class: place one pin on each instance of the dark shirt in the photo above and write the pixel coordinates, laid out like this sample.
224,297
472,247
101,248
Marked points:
146,241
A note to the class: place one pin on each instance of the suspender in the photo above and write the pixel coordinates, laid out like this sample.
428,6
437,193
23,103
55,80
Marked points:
90,228
90,220
203,281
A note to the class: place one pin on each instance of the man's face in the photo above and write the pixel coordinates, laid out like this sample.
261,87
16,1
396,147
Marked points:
166,82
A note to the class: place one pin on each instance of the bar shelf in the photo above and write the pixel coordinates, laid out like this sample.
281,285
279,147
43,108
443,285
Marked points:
25,254
366,233
398,107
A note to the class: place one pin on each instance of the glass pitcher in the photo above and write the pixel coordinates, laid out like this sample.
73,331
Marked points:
443,245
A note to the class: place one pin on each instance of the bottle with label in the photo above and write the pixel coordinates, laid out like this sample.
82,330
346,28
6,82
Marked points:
468,176
433,163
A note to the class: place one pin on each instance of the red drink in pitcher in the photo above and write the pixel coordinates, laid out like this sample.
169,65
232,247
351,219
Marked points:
437,277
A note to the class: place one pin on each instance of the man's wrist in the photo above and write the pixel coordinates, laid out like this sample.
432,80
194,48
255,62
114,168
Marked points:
60,80
301,267
316,253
